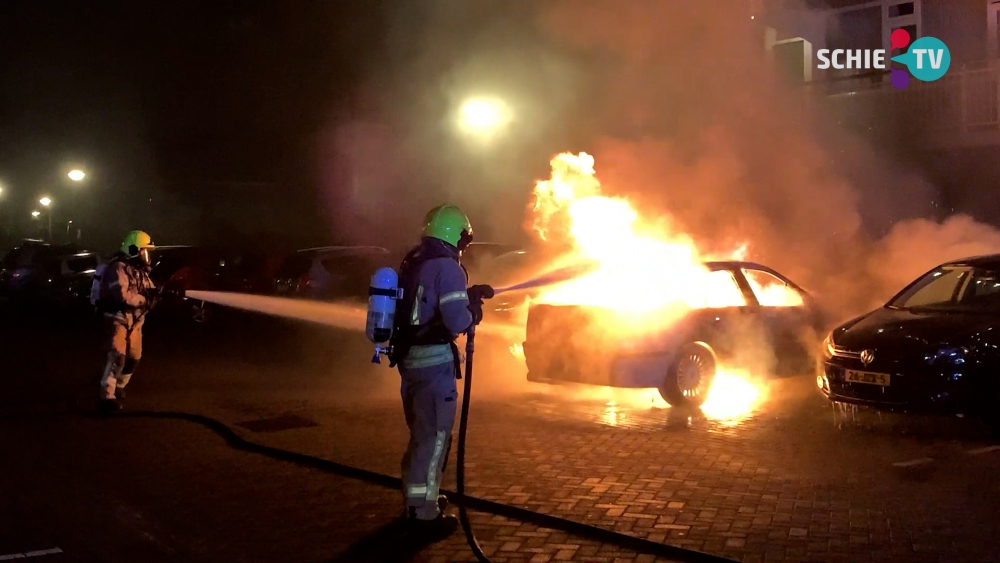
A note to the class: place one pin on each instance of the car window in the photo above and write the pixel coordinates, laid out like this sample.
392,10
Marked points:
721,290
81,264
982,290
938,288
772,291
22,258
294,267
345,265
11,258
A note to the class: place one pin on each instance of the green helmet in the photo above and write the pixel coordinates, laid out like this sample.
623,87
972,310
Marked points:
448,223
135,242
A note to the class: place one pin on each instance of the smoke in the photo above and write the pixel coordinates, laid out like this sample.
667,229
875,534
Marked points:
699,127
398,149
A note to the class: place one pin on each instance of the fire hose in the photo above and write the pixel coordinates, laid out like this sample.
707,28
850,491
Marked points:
463,426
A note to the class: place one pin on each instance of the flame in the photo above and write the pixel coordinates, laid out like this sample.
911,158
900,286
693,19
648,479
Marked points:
732,397
629,251
647,271
741,252
774,294
517,350
648,276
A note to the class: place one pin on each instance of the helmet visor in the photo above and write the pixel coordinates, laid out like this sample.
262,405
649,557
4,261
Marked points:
464,241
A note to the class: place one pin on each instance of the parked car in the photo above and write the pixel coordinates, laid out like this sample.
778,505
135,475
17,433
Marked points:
934,347
331,272
211,269
570,343
39,273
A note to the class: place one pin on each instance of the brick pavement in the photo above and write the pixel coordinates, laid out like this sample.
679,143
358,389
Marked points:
787,484
161,490
776,488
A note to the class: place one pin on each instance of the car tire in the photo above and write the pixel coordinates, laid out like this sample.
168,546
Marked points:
690,376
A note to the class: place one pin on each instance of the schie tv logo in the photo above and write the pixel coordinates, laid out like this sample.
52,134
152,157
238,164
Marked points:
927,59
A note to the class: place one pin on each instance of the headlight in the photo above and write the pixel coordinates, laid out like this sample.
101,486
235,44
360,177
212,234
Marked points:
828,348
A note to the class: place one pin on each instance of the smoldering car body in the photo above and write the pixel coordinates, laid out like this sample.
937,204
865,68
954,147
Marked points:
573,344
935,357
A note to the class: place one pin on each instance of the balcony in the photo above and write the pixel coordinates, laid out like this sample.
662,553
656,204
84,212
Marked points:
960,110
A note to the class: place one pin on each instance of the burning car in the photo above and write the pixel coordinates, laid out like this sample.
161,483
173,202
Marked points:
655,308
933,347
677,348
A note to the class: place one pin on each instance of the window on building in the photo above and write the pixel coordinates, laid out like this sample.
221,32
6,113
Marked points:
993,28
904,9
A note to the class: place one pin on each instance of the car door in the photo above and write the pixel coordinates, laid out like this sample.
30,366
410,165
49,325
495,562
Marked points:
726,316
784,312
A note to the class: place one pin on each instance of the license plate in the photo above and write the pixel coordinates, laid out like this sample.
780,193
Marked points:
871,378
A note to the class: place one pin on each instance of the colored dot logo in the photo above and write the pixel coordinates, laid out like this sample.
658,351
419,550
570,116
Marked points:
927,59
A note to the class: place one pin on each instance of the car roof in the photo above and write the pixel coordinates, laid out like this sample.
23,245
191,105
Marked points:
983,261
487,243
736,265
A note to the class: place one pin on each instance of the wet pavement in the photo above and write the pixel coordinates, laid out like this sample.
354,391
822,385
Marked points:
796,480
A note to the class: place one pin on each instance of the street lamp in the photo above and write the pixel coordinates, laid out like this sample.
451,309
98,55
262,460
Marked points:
35,214
77,175
47,202
483,117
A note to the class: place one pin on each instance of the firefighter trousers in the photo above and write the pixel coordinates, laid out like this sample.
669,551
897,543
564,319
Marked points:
124,348
429,402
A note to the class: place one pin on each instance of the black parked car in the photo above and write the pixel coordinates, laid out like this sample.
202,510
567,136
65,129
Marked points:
36,273
934,347
573,342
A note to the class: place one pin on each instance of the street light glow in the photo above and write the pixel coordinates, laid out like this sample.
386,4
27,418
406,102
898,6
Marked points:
45,201
76,175
35,214
483,116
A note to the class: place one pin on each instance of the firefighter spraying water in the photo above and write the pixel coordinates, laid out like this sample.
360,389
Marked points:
434,307
420,318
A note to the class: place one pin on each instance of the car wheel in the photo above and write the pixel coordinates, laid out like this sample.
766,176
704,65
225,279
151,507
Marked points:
690,376
201,312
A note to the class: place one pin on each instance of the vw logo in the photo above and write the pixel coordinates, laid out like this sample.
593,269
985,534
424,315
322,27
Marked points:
867,356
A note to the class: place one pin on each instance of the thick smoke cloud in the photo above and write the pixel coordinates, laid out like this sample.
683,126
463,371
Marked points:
685,114
699,126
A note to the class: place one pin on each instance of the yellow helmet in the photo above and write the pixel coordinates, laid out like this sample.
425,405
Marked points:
137,241
448,223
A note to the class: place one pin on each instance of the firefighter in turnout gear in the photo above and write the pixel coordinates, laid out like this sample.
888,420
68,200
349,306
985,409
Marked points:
126,294
436,307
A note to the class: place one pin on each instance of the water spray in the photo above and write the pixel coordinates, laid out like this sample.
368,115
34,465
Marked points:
552,278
